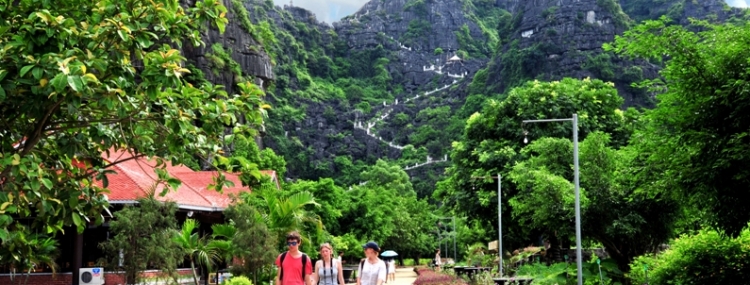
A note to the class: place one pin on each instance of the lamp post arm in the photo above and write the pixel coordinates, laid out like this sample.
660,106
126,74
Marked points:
550,120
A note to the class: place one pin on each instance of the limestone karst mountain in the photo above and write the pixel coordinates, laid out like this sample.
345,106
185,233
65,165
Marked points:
397,79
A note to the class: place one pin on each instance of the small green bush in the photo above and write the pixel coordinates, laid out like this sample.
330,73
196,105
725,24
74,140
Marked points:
704,258
237,280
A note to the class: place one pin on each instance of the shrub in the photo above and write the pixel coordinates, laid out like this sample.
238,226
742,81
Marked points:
238,280
704,258
426,276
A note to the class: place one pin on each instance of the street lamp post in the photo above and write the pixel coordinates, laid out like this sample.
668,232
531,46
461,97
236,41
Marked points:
574,119
499,220
453,233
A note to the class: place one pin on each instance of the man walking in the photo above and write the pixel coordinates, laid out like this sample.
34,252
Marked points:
294,266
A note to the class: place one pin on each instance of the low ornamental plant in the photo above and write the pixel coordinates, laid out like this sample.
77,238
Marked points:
238,280
430,277
707,257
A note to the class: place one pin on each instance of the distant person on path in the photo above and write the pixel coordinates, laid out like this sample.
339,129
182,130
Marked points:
294,266
341,257
391,270
372,269
438,262
328,270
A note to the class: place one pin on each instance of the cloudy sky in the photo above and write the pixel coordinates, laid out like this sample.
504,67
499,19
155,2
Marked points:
739,3
330,11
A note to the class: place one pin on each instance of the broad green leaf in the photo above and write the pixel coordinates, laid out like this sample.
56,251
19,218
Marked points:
76,219
75,83
25,70
35,185
37,72
59,81
73,202
47,183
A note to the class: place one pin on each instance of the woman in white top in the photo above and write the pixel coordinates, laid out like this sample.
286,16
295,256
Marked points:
327,270
372,270
391,270
438,262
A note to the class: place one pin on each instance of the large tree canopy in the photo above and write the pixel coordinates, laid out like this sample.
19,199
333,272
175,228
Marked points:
492,140
628,223
699,135
80,78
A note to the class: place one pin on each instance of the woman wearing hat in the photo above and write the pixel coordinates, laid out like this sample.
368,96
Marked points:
372,269
327,270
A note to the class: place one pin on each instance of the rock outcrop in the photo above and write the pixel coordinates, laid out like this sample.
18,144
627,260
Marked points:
413,33
245,50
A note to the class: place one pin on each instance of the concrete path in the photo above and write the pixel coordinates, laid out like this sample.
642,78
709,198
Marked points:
404,276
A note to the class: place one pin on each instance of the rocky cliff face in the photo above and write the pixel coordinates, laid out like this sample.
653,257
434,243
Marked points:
419,57
551,39
244,51
412,31
416,45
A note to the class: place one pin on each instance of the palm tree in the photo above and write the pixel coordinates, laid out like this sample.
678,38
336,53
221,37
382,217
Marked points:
25,251
198,249
222,240
287,214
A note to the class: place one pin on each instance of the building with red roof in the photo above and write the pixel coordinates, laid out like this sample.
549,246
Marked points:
135,177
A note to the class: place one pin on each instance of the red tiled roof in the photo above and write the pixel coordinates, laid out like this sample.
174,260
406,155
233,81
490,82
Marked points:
136,177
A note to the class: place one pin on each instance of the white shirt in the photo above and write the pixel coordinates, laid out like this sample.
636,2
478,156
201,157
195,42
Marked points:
371,273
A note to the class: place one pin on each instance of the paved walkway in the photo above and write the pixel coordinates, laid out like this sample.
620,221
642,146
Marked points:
404,276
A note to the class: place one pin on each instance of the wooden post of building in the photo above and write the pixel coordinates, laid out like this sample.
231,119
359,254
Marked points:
77,256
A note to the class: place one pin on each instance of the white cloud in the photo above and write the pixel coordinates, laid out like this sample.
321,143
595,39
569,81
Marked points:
738,3
327,10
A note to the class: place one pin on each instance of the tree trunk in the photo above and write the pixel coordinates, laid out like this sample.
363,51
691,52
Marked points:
554,255
195,274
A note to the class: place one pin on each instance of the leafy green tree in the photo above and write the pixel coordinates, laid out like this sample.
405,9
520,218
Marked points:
626,222
142,238
698,134
79,79
198,249
388,175
251,241
270,160
385,208
371,215
492,140
545,198
332,201
415,222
